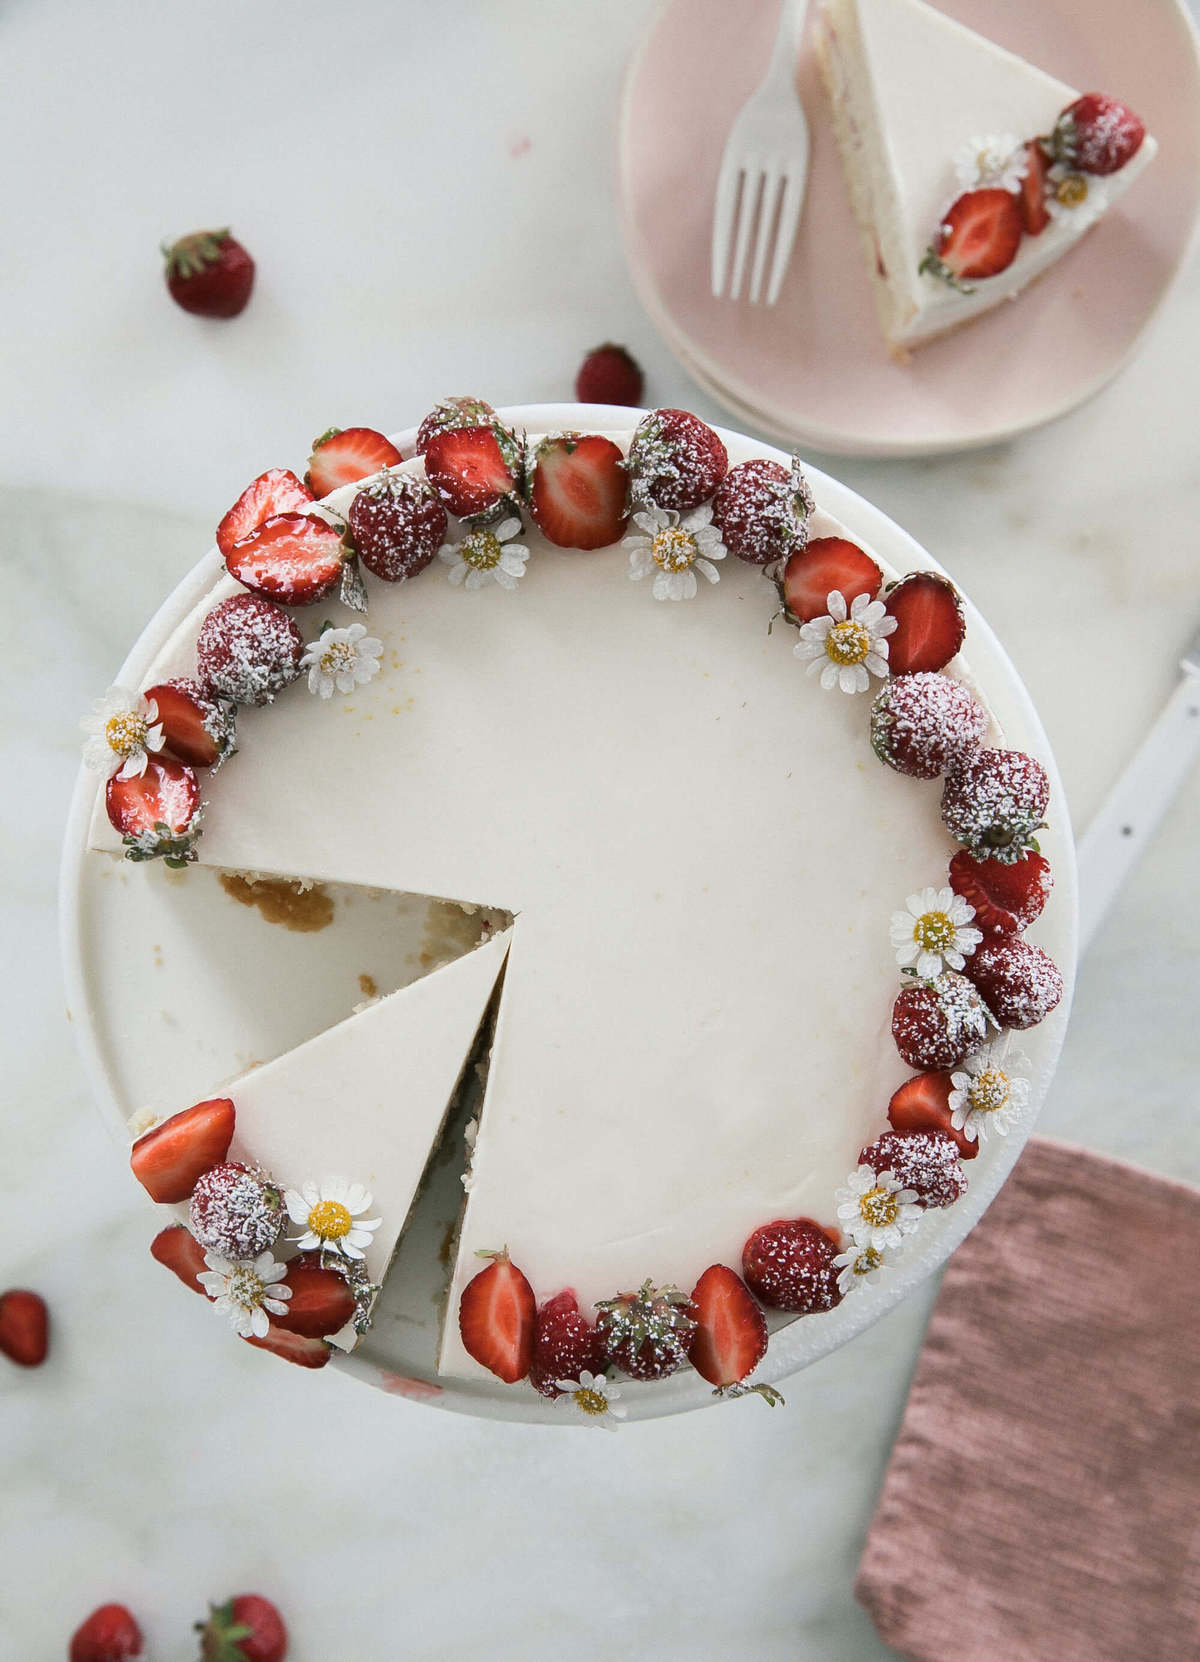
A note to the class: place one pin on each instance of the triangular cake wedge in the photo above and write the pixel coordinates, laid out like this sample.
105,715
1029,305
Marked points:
909,88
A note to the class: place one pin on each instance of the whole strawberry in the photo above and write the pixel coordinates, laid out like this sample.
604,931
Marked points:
246,1628
1097,134
995,802
609,375
398,525
109,1634
24,1327
564,1344
938,1023
788,1264
209,273
646,1334
236,1211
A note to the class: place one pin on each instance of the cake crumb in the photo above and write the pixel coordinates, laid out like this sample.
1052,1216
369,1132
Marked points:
302,908
368,986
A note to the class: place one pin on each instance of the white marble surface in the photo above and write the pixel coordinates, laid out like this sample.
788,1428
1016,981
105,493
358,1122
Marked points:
407,250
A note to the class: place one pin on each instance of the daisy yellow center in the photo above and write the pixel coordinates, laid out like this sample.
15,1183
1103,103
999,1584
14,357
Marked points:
989,1091
673,549
125,733
482,549
246,1289
330,1220
337,658
867,1261
879,1206
848,642
589,1401
1072,190
934,931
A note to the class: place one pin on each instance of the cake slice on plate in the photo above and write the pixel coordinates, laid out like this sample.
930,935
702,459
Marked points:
969,171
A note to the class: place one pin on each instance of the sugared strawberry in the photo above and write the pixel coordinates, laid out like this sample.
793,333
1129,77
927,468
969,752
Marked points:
564,1344
1007,896
1035,215
930,623
995,802
1019,982
450,413
169,1160
922,1103
398,525
344,455
295,559
278,491
497,1318
676,460
157,812
578,490
825,565
246,1628
731,1331
236,1210
978,237
322,1301
924,1161
209,273
609,375
788,1264
762,511
476,471
923,725
109,1634
292,1347
24,1327
646,1334
938,1023
197,728
1097,134
248,650
179,1251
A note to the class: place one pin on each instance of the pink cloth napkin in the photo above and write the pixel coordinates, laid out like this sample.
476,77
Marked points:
1043,1499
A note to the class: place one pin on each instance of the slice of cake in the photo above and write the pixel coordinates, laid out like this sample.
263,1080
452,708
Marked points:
969,170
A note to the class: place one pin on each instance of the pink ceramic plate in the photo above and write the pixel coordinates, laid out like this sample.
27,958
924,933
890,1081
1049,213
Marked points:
813,369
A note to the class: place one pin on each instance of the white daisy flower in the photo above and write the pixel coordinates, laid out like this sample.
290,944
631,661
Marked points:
487,556
341,659
935,932
247,1292
990,1093
123,729
875,1210
331,1216
674,547
592,1398
1076,199
858,1266
847,647
995,162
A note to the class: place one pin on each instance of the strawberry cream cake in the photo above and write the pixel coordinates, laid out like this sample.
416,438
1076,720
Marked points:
755,864
969,171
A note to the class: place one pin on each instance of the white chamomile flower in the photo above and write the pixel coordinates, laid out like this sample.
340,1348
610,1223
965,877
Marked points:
674,547
331,1216
341,659
935,932
123,729
1075,199
858,1266
247,1292
876,1211
488,555
592,1399
990,1093
847,646
996,161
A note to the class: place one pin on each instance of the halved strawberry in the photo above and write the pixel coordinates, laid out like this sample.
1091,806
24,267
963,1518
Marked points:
24,1327
169,1160
978,237
578,495
469,470
179,1251
497,1315
321,1300
345,454
1035,216
278,491
1007,894
731,1331
295,559
156,811
922,1103
197,728
930,623
305,1352
824,565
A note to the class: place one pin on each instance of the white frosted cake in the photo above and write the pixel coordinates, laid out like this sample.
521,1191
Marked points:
969,171
751,1019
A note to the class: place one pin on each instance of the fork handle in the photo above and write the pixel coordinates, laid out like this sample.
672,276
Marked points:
782,68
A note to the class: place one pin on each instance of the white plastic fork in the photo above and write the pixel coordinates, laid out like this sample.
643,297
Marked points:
765,166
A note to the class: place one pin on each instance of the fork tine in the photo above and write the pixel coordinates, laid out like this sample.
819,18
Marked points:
785,235
722,237
751,186
772,183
